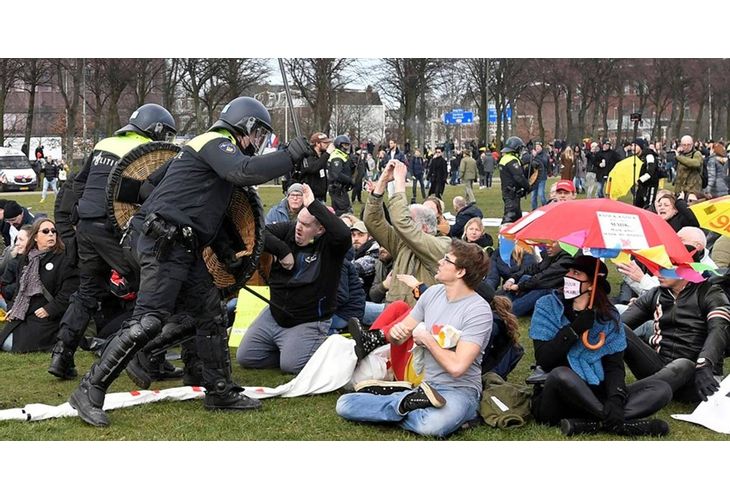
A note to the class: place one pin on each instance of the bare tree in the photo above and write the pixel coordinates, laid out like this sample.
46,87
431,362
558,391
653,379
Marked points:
119,74
511,78
33,73
318,81
69,76
197,74
477,71
406,81
9,69
147,74
242,74
539,89
171,76
659,91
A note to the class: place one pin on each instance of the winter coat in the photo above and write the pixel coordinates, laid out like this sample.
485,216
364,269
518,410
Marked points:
60,278
468,169
717,176
414,252
350,294
278,213
500,271
462,217
689,172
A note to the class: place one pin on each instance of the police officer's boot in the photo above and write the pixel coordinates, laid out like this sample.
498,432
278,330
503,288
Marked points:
192,365
62,362
220,391
88,398
146,365
73,326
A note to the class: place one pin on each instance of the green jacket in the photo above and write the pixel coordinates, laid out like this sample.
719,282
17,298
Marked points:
468,169
689,172
414,252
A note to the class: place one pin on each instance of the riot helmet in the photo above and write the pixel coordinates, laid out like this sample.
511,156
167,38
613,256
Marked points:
247,117
153,121
513,145
342,142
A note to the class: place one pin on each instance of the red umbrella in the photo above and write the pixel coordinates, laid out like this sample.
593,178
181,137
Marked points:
603,226
599,224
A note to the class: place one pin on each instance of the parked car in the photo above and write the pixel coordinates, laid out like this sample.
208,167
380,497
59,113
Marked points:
16,172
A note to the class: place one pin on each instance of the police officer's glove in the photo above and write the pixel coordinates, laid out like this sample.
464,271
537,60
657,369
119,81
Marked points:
613,412
299,149
583,321
705,382
233,263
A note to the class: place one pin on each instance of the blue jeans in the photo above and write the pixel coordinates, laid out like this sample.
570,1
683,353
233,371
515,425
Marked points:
539,189
52,183
601,183
372,311
461,406
337,324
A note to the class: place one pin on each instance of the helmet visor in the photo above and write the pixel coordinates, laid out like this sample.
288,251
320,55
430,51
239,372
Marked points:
259,135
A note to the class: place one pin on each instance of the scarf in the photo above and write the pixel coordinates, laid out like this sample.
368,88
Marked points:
549,317
30,285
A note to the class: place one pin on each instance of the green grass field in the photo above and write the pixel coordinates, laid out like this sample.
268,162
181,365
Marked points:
24,380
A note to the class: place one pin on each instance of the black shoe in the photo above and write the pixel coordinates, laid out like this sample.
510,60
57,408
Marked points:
167,371
365,341
233,399
382,387
573,426
424,396
62,363
139,369
89,411
644,427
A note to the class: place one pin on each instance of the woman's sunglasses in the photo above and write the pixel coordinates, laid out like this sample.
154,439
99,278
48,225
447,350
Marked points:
48,230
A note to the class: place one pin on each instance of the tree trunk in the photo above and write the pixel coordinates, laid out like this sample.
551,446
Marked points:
540,124
568,111
556,100
620,115
680,120
29,120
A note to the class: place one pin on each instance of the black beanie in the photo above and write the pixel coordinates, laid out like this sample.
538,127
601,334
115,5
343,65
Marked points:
12,209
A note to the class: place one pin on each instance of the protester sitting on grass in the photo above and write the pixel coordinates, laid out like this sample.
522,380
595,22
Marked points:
47,278
474,233
500,271
688,339
581,347
450,393
437,206
675,212
530,283
11,258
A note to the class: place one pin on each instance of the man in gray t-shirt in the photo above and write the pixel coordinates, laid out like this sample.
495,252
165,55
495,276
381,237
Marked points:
450,393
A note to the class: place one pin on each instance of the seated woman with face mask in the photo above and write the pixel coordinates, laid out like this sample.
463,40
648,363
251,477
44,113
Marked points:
580,342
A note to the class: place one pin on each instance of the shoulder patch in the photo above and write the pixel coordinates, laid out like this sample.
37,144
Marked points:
227,147
649,158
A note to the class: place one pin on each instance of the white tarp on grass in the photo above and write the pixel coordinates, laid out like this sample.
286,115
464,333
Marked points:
329,369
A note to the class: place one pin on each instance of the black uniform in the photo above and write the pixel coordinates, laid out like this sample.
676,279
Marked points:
514,186
97,243
181,216
315,176
437,174
340,179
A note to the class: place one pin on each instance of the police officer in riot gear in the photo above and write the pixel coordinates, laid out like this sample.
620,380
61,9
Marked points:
514,183
340,169
182,215
98,244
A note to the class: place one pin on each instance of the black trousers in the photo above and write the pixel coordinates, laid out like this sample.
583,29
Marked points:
566,395
512,209
340,200
646,364
99,251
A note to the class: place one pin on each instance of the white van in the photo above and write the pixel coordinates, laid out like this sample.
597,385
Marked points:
16,172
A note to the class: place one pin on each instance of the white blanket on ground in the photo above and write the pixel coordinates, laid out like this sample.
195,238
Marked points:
329,369
713,413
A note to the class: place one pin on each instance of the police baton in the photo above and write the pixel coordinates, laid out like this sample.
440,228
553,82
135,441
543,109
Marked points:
290,102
